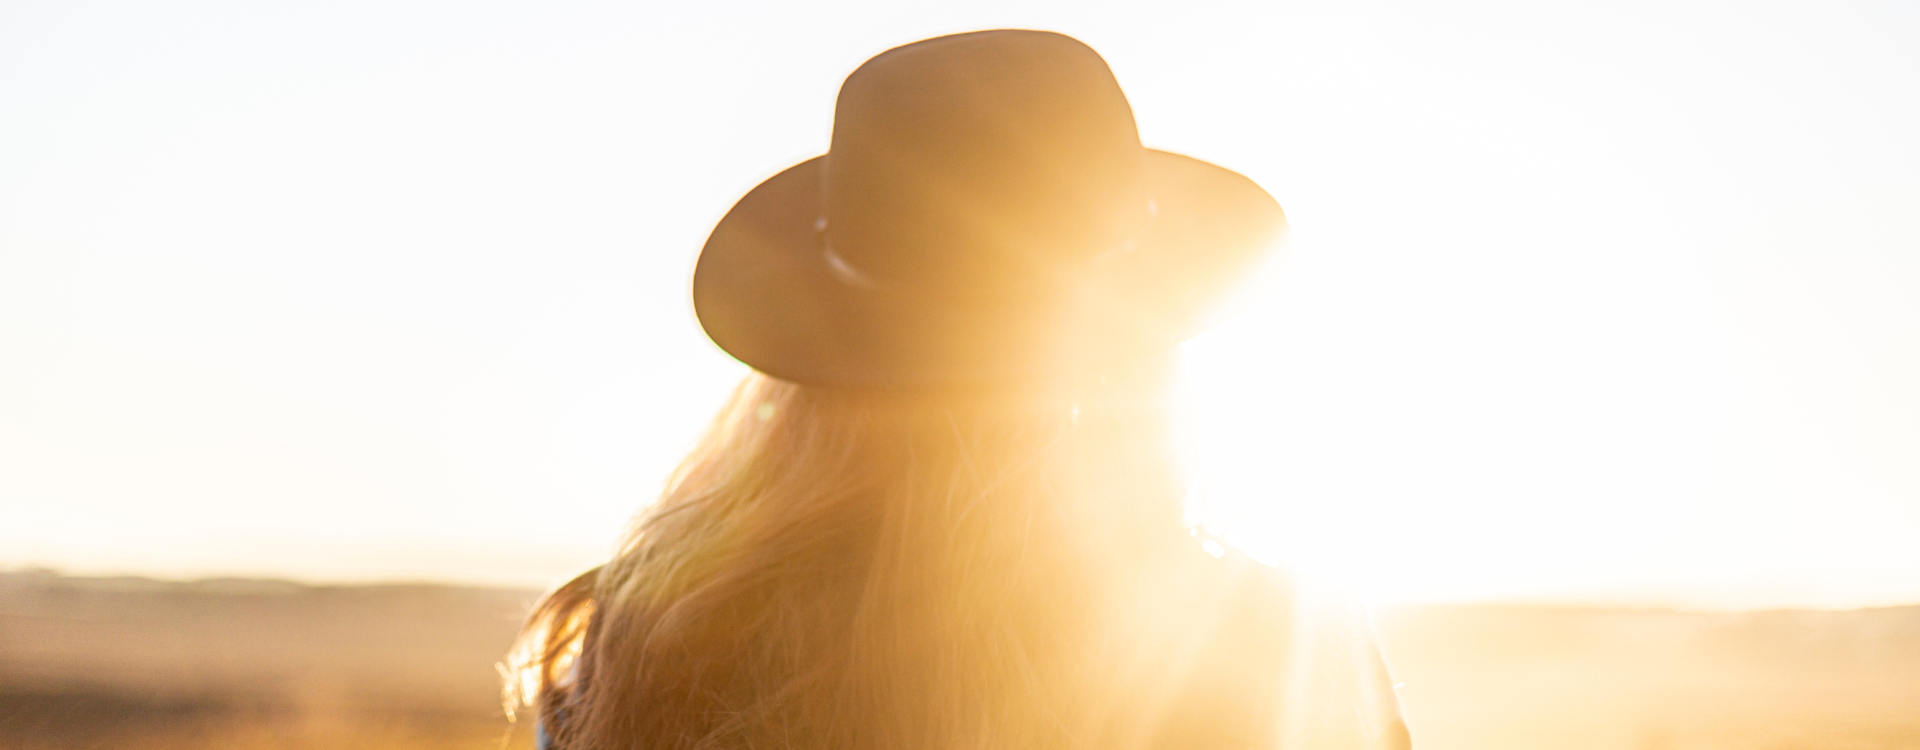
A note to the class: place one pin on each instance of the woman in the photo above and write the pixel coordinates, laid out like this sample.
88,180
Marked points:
942,513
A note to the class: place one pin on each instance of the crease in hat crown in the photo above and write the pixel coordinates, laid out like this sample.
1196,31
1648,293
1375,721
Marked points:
980,162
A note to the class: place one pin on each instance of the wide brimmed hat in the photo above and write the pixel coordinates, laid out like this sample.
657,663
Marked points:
985,215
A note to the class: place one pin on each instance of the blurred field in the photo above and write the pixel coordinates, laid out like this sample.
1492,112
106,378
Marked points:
132,663
1574,679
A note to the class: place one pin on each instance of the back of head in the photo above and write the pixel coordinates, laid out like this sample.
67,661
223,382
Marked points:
855,570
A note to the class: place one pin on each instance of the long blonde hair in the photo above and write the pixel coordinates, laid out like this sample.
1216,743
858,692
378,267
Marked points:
890,571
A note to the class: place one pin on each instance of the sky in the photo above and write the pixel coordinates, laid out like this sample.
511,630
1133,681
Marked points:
1598,302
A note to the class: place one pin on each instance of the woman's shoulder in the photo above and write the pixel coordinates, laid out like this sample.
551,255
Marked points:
1263,602
1298,657
1226,590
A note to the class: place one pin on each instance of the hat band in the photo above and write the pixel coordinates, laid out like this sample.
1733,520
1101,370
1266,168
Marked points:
845,273
850,275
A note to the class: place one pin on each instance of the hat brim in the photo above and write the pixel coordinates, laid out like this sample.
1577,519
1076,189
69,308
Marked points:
764,293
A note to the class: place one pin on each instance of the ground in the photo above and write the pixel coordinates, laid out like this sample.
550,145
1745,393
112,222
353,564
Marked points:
127,662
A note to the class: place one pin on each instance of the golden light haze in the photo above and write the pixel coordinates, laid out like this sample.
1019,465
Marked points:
1584,301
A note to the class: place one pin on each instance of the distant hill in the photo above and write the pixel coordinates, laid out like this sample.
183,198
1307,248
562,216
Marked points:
86,660
94,662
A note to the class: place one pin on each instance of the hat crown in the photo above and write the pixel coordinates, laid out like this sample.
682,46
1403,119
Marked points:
982,162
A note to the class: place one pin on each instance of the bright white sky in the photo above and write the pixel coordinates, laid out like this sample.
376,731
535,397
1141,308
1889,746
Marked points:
1601,301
